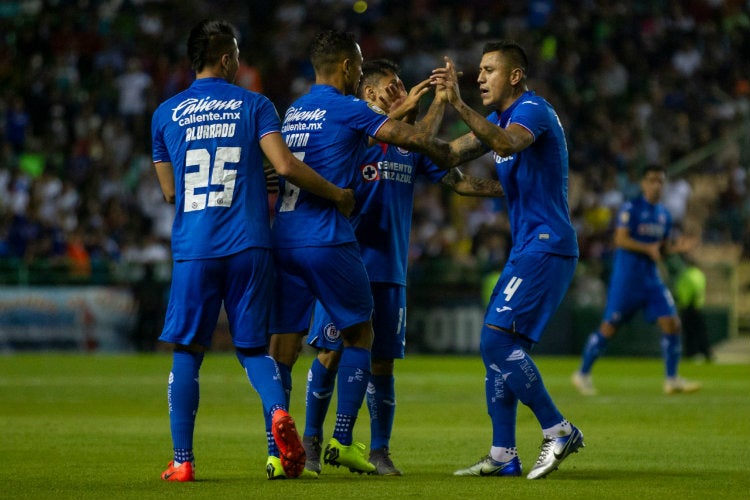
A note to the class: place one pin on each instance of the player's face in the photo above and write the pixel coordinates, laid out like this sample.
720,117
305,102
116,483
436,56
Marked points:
380,96
652,185
494,80
354,75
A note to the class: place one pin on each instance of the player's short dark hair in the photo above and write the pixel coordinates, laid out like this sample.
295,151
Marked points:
375,69
512,50
653,167
208,41
331,47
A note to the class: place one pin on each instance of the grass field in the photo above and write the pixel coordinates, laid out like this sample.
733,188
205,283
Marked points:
77,426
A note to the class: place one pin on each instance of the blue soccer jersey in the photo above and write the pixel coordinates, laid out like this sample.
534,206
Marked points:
221,201
329,131
385,199
635,282
535,180
646,223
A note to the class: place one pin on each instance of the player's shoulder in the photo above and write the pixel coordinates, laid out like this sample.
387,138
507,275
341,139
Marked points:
628,205
366,106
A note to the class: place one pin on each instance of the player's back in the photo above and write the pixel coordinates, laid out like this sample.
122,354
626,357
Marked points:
210,133
328,131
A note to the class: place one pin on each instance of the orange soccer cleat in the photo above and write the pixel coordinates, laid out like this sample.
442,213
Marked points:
291,451
183,472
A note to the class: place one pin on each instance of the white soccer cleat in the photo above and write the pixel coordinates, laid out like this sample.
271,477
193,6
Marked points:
678,385
584,384
553,451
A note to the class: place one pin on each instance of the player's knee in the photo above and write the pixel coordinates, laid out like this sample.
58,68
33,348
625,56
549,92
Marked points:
358,335
250,352
382,366
330,359
285,348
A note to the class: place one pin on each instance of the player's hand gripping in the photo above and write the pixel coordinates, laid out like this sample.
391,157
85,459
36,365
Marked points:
445,80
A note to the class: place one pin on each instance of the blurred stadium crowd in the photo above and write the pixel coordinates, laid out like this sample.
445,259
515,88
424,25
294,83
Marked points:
634,82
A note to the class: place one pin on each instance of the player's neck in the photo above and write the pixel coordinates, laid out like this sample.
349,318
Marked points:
513,97
334,80
211,72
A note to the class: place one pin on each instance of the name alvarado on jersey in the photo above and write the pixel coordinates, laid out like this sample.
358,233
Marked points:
192,110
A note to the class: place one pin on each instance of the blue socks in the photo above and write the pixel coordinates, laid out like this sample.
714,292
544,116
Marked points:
285,372
502,405
183,397
353,376
595,347
265,378
320,384
502,354
381,401
671,349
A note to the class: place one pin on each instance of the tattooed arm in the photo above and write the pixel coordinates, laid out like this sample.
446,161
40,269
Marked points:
468,185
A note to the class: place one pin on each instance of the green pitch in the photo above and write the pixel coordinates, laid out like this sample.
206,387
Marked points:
77,426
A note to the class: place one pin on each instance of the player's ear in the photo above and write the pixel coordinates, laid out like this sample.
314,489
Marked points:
516,75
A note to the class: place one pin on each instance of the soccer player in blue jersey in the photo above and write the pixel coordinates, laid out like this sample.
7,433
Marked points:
531,159
208,147
642,233
315,246
382,223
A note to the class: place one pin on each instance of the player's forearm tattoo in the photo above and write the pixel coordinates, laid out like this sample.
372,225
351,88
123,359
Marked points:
485,187
468,148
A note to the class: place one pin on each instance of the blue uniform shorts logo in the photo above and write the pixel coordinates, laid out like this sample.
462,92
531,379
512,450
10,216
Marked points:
331,333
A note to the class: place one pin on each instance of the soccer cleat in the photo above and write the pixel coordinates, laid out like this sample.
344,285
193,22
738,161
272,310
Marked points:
313,450
677,385
381,459
554,450
584,384
183,472
491,467
274,470
291,451
352,456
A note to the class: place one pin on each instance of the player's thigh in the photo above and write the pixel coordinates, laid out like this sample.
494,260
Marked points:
389,321
624,299
247,296
528,292
292,303
323,333
660,305
194,302
338,278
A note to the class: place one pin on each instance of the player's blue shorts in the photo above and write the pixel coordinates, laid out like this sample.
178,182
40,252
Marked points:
388,323
627,296
243,282
528,292
335,275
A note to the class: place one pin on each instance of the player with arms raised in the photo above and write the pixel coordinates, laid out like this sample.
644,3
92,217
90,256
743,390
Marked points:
315,246
531,160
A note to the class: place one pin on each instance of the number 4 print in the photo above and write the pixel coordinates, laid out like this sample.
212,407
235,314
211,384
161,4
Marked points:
198,192
513,285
